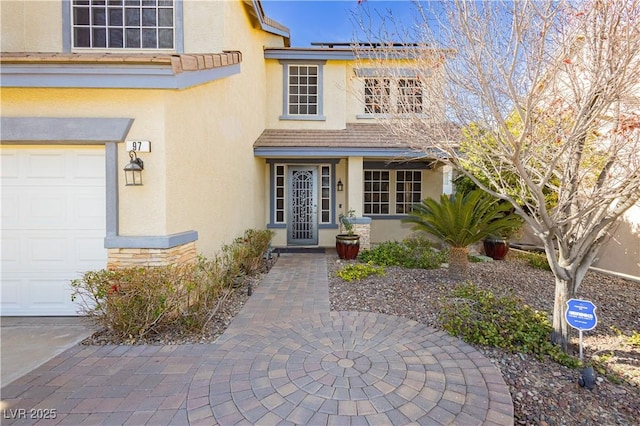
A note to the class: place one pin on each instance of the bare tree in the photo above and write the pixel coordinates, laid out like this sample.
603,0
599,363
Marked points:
546,94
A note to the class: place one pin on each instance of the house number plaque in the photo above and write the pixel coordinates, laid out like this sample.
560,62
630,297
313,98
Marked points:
139,146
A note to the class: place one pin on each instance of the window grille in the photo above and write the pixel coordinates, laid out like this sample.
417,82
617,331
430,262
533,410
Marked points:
123,24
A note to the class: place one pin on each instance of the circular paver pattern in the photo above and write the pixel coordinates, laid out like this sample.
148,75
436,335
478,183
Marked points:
355,368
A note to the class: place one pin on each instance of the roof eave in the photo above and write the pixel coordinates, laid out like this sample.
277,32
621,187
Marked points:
267,24
329,152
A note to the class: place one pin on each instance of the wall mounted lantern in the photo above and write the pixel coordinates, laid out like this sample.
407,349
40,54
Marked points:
340,185
133,170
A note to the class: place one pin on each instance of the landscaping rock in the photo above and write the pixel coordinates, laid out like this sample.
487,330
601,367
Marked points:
543,392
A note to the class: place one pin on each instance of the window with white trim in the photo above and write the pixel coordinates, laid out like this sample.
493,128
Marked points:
408,190
303,90
325,195
383,186
123,24
388,96
377,92
409,96
376,192
279,187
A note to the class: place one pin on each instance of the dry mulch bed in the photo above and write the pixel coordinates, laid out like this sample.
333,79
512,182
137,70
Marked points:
544,393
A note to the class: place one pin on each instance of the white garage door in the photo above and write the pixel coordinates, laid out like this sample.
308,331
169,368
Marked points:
53,225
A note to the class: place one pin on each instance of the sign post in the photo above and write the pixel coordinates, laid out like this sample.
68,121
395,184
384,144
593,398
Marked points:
581,315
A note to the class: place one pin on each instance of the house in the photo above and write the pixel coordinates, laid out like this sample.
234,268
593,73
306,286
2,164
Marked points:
188,77
326,154
234,129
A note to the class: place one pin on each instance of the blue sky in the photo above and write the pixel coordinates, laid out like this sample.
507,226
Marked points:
331,20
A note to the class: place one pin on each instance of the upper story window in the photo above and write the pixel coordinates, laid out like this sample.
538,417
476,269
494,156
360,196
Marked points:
409,95
303,90
123,24
377,95
396,91
302,84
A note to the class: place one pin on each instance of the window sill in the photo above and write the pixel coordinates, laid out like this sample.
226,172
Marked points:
386,216
374,116
303,117
124,50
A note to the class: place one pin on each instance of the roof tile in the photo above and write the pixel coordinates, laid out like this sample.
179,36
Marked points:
355,135
178,62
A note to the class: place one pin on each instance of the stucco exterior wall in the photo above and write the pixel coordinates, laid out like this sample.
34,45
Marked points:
622,252
204,23
355,100
334,98
201,173
142,209
215,185
27,26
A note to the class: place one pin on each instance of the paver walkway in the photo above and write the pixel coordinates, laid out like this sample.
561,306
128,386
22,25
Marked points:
285,359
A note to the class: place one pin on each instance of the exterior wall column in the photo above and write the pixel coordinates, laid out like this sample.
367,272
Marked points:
355,185
355,199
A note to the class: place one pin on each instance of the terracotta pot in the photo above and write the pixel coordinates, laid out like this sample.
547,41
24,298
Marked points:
347,246
496,248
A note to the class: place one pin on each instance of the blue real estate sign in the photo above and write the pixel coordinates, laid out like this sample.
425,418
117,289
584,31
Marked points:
581,314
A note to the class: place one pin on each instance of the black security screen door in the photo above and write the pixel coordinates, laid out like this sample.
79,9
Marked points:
302,228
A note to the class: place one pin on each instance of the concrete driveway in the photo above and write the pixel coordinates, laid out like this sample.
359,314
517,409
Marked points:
28,342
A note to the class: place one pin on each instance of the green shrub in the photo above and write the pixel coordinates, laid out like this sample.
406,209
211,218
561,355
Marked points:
480,317
634,339
138,301
535,260
538,261
414,253
254,243
133,302
358,271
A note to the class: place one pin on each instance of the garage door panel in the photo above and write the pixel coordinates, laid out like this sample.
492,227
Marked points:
9,162
88,251
10,251
89,167
41,294
47,293
47,164
10,209
88,208
11,294
53,226
48,252
46,211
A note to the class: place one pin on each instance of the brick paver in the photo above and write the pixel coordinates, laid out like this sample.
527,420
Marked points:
285,359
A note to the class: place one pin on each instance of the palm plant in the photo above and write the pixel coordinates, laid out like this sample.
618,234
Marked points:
460,220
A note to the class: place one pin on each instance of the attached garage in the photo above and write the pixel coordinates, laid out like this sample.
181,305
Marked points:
58,182
53,225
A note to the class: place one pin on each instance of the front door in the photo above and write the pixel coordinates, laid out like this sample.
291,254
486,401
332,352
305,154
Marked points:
302,228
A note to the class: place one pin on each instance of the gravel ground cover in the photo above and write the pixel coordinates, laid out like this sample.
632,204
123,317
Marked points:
544,393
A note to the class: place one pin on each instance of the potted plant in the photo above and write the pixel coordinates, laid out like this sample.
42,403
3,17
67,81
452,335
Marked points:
496,246
460,220
347,242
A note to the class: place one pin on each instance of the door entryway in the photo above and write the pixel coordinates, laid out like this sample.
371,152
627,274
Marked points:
302,228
